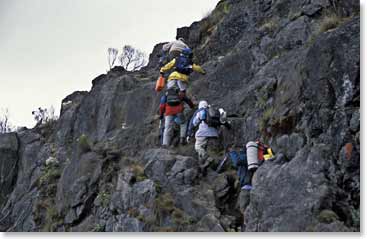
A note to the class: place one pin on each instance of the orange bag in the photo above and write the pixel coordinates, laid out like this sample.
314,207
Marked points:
160,84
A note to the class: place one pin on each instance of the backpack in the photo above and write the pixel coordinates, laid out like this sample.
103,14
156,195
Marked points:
184,62
213,117
163,59
173,99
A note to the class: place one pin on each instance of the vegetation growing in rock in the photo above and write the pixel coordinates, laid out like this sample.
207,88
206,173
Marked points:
138,172
84,144
164,207
330,22
327,216
104,198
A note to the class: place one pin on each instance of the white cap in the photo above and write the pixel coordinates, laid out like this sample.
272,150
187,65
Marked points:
203,104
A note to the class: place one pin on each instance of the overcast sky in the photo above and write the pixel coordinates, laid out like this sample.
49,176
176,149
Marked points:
50,48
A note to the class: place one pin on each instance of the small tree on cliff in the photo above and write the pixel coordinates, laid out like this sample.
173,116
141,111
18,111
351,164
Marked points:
112,55
5,126
42,116
132,59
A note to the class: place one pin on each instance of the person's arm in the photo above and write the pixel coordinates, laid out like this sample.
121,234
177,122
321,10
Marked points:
200,116
168,66
227,125
188,101
191,127
199,69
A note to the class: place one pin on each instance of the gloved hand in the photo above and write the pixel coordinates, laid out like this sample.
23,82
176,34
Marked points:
161,117
188,138
228,125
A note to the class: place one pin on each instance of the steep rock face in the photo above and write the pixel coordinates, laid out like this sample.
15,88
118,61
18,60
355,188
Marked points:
284,72
9,158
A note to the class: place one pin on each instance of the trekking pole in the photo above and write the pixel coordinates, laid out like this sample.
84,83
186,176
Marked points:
221,164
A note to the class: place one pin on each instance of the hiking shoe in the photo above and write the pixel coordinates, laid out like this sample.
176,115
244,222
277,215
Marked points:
247,187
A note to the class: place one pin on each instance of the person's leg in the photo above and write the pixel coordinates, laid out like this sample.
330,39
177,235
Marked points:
200,148
168,130
248,178
241,172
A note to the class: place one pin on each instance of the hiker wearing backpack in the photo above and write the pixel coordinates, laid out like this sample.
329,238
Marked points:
173,49
239,161
172,109
183,66
208,119
257,153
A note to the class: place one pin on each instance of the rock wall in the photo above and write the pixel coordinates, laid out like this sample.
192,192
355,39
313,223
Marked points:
286,72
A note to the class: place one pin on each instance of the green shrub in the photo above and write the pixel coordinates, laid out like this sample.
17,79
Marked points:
50,174
104,198
327,216
52,219
98,228
83,144
138,172
164,204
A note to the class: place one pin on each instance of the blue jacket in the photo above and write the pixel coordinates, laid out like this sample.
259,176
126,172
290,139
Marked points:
198,119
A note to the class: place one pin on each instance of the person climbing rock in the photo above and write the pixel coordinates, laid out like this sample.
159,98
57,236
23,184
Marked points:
173,49
208,119
171,108
239,161
256,153
183,66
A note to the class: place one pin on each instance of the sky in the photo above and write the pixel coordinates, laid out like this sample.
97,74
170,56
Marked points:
51,48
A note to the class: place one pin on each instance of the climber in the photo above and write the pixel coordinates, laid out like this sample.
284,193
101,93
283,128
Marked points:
257,153
171,108
239,161
173,49
208,119
183,66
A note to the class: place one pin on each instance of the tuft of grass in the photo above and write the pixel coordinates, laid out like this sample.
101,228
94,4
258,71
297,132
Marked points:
84,144
50,174
98,228
133,212
264,120
330,22
104,198
164,203
269,26
52,219
327,216
138,172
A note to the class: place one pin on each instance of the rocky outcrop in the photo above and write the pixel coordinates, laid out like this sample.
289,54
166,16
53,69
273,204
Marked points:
286,72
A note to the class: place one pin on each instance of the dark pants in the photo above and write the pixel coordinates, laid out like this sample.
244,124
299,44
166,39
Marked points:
249,175
239,161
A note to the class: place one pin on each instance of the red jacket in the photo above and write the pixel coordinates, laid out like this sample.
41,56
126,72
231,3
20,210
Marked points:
167,110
